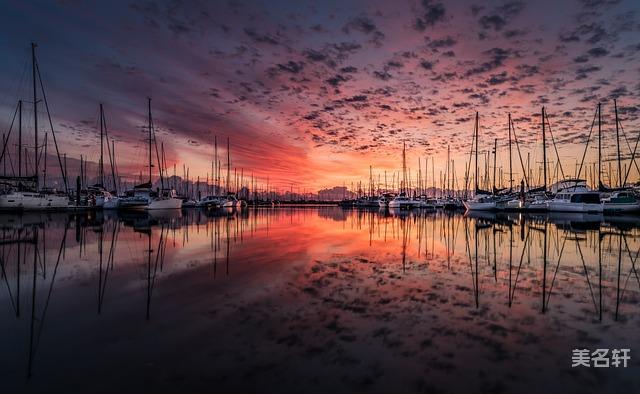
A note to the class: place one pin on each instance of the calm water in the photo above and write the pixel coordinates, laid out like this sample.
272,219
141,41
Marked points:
316,299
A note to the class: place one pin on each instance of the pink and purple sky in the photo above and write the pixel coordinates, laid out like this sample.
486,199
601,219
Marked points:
313,93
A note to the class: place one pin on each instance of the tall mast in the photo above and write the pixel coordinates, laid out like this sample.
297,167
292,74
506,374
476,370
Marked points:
215,154
615,104
599,146
404,167
448,153
101,174
476,174
228,165
510,162
495,154
544,151
149,104
35,108
19,138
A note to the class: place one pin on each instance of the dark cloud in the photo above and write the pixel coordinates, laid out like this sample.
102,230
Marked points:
497,79
291,66
497,57
431,13
349,69
598,52
445,42
427,65
383,75
261,38
364,25
500,16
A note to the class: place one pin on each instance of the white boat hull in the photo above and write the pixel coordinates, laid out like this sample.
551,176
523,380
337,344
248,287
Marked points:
620,207
479,206
164,203
33,201
558,206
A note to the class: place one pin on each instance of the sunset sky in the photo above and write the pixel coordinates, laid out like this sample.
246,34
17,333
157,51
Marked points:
313,93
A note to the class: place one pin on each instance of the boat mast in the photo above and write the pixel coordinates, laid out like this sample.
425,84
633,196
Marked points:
599,146
476,141
228,166
101,175
404,169
510,161
615,105
35,108
150,164
495,154
19,138
544,151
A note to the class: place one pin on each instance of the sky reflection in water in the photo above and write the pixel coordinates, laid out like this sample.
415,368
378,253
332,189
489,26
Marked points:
316,299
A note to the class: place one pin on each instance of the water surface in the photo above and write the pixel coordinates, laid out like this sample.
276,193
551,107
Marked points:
315,300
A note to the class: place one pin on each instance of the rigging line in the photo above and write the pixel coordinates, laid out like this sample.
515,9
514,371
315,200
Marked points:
515,137
584,154
53,279
633,155
586,273
633,260
155,143
553,280
6,141
555,147
111,158
515,283
55,142
6,280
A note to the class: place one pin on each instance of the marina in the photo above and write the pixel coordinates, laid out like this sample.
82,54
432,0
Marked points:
420,196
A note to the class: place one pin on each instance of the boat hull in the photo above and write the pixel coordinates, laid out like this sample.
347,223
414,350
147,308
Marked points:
33,202
620,207
554,206
480,206
164,203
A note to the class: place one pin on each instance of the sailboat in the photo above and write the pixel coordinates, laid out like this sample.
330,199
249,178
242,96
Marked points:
621,199
402,200
103,198
144,198
25,192
573,195
482,199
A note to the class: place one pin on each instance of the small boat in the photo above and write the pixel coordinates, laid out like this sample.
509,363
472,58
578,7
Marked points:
207,202
481,202
30,200
230,201
576,201
428,204
166,199
402,201
385,199
621,202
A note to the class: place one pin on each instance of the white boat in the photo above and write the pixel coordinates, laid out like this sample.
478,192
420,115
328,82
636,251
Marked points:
24,200
167,199
576,201
401,201
26,193
208,202
481,202
230,201
620,202
383,201
428,204
111,203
